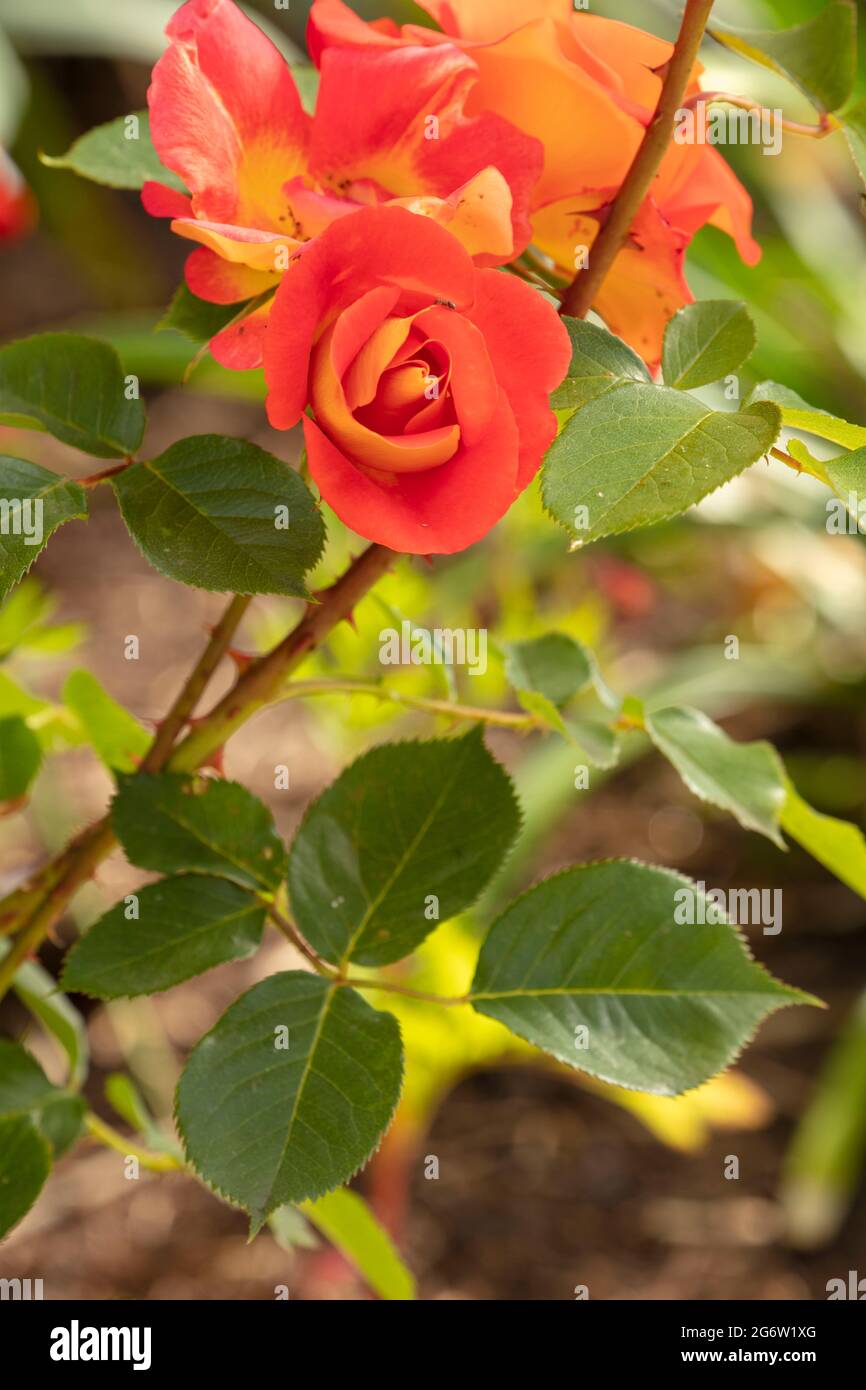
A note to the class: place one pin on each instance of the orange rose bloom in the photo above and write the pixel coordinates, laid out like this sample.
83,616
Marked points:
586,88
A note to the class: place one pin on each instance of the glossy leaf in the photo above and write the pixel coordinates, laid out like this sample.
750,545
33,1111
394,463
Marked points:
745,779
119,154
705,341
290,1093
599,948
346,1220
114,734
33,504
221,514
185,925
408,836
74,388
180,824
641,453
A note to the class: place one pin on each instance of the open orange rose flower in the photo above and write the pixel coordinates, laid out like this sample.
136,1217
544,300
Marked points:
369,246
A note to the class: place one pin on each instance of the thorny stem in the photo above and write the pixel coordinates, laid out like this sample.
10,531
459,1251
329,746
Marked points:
637,182
112,1139
825,126
49,893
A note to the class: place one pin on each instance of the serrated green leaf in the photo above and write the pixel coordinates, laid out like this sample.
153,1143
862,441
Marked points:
267,1123
599,362
196,318
837,844
745,779
114,734
25,1162
597,741
406,837
74,388
20,758
26,1091
599,948
209,512
33,504
641,453
119,154
185,925
555,665
705,341
797,414
847,476
345,1219
181,824
818,56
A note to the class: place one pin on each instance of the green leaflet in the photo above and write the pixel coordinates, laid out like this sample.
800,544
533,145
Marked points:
196,318
346,1220
818,56
181,824
20,758
599,362
599,948
837,844
119,154
25,1162
115,735
74,388
746,779
185,925
797,414
555,665
26,1091
33,504
408,836
706,341
221,514
639,454
290,1093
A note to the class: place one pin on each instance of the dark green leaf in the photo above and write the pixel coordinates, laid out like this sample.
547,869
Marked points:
640,454
290,1093
746,779
599,362
706,341
26,1091
74,388
119,154
25,1162
185,925
599,948
408,836
555,665
818,56
114,734
33,503
20,756
177,824
196,318
222,514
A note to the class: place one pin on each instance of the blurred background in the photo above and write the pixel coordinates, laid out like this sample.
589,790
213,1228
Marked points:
546,1182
